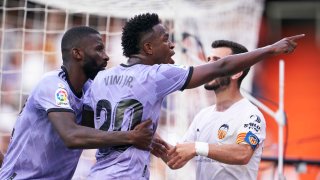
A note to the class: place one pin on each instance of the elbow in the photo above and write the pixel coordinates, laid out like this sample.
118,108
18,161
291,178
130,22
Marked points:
243,159
71,141
244,155
71,146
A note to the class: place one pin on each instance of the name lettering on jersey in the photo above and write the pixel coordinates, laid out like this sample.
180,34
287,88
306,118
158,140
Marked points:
223,130
252,126
122,80
61,96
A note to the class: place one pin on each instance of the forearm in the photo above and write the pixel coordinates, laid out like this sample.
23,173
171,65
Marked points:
236,63
236,154
77,136
227,66
89,138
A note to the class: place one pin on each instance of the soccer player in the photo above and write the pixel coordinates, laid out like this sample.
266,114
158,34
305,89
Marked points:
228,136
132,92
47,139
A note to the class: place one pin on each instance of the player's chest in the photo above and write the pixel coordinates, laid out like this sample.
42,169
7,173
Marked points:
222,129
77,106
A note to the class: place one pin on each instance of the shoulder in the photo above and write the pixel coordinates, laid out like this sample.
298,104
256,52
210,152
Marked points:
252,112
248,106
204,112
52,80
57,75
172,66
103,72
207,109
169,70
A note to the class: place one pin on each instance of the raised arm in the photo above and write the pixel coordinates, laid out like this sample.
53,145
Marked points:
77,136
232,64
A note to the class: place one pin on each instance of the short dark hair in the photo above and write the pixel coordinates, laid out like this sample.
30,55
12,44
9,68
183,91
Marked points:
134,30
236,48
72,38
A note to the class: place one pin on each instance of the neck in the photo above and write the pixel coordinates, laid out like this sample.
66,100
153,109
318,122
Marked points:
139,59
227,97
76,77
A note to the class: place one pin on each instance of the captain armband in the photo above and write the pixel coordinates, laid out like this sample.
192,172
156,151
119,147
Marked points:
252,140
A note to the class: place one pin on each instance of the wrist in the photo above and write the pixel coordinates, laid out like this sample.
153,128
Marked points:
130,137
269,49
202,149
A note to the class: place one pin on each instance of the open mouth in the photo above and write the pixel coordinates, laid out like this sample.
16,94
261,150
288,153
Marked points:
172,53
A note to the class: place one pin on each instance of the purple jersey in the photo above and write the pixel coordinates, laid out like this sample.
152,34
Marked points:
36,150
121,98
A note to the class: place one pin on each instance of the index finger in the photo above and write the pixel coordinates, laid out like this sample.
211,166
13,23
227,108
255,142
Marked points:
172,151
162,142
296,37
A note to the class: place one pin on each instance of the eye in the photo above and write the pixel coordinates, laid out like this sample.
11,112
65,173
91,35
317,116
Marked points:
100,48
166,38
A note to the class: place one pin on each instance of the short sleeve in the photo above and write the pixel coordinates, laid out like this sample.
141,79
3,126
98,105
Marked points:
170,78
52,95
252,130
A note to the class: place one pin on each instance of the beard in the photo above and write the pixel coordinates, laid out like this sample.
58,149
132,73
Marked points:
91,68
218,84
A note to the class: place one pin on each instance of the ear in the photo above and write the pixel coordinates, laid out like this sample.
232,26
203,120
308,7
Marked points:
76,53
236,76
147,48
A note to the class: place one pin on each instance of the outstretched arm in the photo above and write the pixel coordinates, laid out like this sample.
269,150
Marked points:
235,63
236,154
77,136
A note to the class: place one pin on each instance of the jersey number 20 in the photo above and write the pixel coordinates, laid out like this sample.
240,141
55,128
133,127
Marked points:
130,107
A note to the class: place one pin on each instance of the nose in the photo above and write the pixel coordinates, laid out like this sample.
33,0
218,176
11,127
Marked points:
105,56
171,45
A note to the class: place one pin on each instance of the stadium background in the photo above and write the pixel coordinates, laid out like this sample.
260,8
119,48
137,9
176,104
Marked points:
31,31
